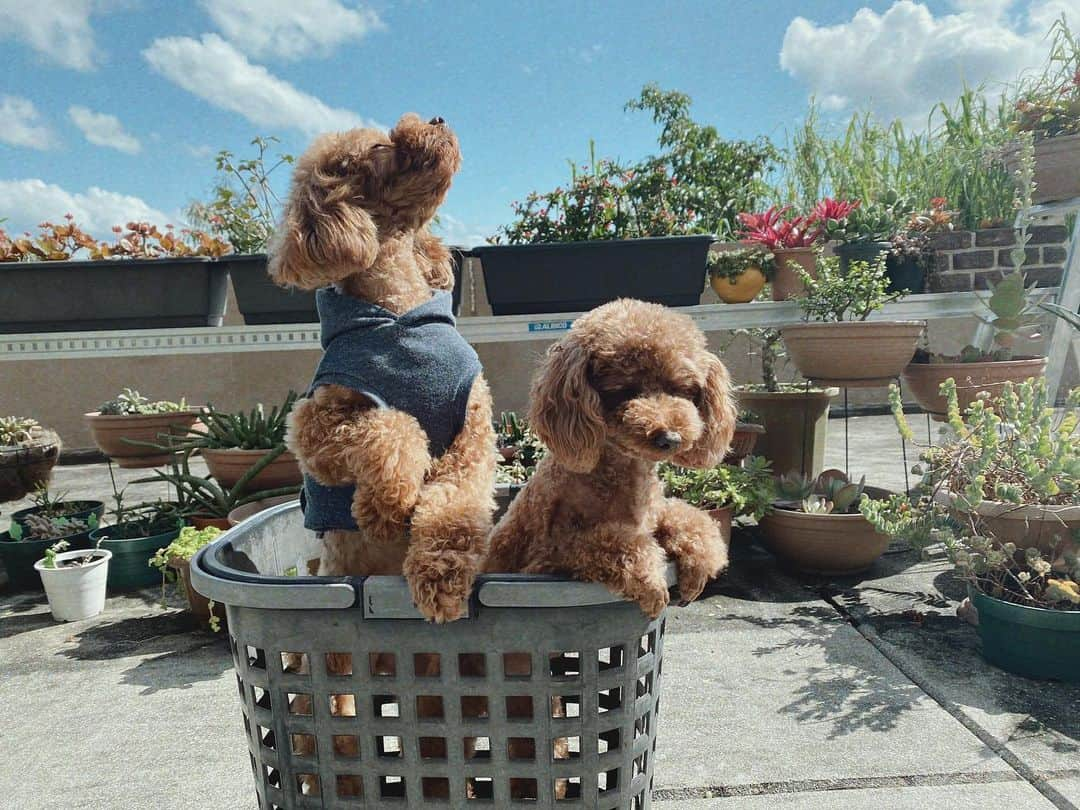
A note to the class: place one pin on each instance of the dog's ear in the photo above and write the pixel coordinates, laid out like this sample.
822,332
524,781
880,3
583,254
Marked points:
565,410
325,234
434,260
717,410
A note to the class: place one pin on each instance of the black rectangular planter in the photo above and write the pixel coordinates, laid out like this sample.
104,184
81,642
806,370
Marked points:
577,276
91,296
261,301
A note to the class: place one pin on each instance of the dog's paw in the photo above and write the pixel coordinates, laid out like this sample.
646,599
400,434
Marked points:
654,600
692,581
439,590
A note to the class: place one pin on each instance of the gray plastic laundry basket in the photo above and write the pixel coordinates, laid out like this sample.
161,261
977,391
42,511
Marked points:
545,696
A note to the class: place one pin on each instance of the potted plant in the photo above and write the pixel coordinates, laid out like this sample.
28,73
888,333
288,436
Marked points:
911,257
74,581
204,502
173,563
28,452
724,491
748,429
133,535
1010,314
816,525
838,345
791,238
26,541
1002,494
129,429
794,416
232,443
1048,108
737,275
519,451
48,506
64,280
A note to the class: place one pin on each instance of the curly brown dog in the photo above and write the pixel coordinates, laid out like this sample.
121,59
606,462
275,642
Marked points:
632,384
395,437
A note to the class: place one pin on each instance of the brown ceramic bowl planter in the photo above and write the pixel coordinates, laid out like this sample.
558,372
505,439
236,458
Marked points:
824,544
25,467
1032,525
228,466
124,439
1057,167
852,354
742,441
722,517
924,380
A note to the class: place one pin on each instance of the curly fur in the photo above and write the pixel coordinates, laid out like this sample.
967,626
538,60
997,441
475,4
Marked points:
357,217
626,376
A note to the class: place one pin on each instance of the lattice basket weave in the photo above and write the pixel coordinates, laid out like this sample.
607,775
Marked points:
545,696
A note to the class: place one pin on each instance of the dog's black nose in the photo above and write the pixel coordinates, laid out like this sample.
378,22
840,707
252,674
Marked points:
668,440
437,120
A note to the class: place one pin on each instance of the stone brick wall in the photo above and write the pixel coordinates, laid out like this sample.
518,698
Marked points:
967,260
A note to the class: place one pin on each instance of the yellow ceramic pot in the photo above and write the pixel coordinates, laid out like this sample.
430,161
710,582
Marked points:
741,289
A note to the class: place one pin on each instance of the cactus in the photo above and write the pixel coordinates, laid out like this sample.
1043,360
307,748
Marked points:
15,430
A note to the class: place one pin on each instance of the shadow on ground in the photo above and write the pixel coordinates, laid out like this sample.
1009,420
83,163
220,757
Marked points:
175,652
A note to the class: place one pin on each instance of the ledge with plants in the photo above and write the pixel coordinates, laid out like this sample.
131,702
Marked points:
816,525
64,280
1001,497
131,429
28,453
838,345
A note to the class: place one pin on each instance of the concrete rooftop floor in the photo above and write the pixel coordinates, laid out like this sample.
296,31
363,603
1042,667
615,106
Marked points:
779,691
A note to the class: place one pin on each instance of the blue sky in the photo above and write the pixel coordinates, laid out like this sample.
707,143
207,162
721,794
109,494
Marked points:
113,109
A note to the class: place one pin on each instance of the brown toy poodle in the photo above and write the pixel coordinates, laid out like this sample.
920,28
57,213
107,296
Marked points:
632,384
395,436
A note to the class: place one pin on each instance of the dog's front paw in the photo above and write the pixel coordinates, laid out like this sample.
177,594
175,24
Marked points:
440,586
692,581
654,600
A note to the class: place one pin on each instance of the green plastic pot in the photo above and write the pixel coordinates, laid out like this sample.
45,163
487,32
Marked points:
1028,641
130,568
19,556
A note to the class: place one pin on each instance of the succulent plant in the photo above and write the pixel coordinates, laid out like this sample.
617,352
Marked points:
16,430
794,486
130,402
244,430
830,493
43,527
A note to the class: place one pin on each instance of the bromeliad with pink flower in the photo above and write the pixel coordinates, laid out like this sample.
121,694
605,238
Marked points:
779,229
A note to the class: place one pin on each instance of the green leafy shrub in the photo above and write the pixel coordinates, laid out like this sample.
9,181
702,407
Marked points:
833,296
747,490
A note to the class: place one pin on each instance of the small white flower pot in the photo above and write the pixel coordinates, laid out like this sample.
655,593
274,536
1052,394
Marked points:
76,592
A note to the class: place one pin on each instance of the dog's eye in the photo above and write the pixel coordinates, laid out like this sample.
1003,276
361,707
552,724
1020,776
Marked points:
617,396
696,395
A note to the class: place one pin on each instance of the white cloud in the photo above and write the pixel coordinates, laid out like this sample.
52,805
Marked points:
103,129
58,29
290,29
25,203
454,231
904,60
21,124
216,72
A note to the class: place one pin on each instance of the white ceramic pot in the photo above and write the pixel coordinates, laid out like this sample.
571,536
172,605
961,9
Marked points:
76,592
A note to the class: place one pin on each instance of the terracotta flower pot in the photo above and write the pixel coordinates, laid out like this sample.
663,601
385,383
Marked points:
796,423
25,467
1057,167
832,545
206,521
853,354
741,289
786,282
1026,526
242,513
198,604
743,441
723,519
229,466
924,380
114,435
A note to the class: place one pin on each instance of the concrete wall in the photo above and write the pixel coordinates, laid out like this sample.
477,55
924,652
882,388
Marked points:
58,392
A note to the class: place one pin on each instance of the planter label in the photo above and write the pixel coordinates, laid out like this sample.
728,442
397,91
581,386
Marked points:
549,326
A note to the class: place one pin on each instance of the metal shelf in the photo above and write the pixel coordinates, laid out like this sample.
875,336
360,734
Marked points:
477,330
